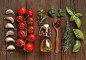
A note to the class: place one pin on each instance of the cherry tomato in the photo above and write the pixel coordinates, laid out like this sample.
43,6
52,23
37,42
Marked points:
21,10
22,33
29,12
19,18
31,37
22,25
29,47
30,29
30,21
20,42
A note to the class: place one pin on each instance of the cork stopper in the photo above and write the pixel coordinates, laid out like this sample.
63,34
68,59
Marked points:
46,25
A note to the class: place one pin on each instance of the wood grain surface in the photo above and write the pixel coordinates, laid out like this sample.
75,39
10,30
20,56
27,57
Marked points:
35,5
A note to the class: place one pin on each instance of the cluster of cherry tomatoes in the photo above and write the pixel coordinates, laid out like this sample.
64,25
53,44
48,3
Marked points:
26,31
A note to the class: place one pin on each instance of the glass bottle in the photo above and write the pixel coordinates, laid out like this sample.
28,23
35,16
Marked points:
46,44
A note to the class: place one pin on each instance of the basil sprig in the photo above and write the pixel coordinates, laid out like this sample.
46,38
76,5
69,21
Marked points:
74,17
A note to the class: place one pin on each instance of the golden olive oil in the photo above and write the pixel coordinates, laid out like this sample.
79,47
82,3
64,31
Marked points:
46,44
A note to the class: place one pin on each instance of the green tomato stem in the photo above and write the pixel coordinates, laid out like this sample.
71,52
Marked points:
25,29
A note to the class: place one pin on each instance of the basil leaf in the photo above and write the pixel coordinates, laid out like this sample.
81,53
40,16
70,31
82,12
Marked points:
61,11
53,11
72,18
58,15
78,33
70,11
50,9
78,14
62,14
76,46
49,12
78,22
53,15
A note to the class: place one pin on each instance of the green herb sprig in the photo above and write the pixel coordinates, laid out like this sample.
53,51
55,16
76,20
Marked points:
66,38
74,17
51,12
61,13
40,16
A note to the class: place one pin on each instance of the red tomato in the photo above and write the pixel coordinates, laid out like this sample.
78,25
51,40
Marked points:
29,12
31,37
22,33
30,21
22,25
20,42
21,10
19,18
29,47
30,29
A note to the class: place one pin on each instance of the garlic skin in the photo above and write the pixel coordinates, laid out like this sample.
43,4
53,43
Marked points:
9,11
10,19
10,32
9,25
10,47
9,39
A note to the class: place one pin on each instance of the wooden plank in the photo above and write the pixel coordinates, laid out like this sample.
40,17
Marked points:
2,38
56,5
68,55
36,54
8,53
80,8
78,54
63,19
19,52
72,26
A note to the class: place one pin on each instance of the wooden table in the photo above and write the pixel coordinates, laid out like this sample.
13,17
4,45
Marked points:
35,5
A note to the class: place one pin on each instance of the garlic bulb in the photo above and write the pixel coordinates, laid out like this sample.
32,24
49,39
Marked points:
9,11
10,19
10,32
9,39
10,47
9,25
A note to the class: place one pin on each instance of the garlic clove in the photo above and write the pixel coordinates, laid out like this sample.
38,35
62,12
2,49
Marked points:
9,39
10,32
10,19
9,25
10,47
9,11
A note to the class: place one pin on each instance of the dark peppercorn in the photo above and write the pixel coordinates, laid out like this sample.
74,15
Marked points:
57,24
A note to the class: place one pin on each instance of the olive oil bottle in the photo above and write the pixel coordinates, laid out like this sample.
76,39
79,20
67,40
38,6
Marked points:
46,44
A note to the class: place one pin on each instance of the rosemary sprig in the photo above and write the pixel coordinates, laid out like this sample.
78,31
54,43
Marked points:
66,38
40,16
